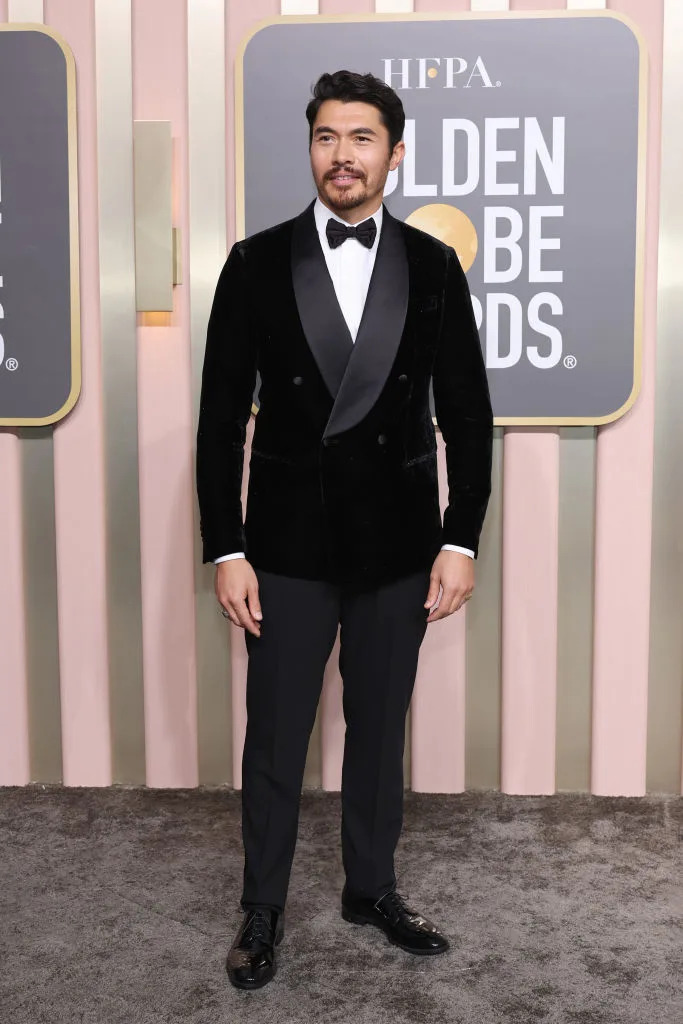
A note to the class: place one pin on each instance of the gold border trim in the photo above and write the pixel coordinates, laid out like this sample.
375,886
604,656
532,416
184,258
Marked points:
639,299
75,288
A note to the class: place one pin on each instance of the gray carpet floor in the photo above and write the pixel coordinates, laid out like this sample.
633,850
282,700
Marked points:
118,905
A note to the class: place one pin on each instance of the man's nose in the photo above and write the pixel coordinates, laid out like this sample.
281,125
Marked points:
343,152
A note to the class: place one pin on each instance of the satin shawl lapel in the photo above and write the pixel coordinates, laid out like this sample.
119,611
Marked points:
379,333
319,311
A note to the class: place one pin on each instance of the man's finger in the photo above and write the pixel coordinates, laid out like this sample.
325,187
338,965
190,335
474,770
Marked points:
433,591
231,613
245,618
253,601
450,597
465,597
451,600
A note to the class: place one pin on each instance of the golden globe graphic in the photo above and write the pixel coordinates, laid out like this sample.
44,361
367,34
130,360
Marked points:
451,226
508,162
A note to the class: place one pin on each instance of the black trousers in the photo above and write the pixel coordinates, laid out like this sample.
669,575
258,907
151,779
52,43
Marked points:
380,635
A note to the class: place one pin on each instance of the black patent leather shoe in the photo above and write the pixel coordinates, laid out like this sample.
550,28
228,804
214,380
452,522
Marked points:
402,925
251,958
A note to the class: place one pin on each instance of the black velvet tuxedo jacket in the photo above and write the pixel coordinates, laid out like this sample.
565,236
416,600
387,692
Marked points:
343,475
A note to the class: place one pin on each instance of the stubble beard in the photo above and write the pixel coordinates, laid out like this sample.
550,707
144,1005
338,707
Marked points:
345,199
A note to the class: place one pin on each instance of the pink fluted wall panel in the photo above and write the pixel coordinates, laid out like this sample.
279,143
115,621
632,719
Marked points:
624,509
79,443
14,724
165,433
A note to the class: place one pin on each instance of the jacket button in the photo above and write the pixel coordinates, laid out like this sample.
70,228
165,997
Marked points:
381,438
403,377
297,380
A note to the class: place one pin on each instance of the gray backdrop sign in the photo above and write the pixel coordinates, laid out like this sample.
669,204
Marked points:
525,143
40,372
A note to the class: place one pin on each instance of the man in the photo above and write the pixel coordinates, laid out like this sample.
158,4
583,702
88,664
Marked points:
347,313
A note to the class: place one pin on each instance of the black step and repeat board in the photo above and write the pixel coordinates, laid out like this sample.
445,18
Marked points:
525,150
39,295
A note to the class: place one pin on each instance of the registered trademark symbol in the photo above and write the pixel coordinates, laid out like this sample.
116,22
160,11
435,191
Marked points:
498,85
570,362
11,363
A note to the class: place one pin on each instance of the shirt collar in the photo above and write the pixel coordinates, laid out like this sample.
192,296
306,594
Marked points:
322,215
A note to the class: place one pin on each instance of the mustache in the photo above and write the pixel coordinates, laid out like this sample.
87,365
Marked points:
343,170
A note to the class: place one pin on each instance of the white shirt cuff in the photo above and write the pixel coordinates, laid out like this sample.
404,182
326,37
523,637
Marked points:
455,547
224,558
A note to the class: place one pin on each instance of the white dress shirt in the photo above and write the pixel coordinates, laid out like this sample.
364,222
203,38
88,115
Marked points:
350,266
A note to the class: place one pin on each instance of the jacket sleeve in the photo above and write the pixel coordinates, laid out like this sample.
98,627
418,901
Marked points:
462,406
228,379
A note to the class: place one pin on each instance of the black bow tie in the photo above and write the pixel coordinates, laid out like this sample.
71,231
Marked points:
337,232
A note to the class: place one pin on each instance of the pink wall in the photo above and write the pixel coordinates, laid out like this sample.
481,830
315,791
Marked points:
165,434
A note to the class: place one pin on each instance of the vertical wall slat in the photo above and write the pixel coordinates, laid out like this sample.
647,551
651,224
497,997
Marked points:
576,559
40,568
489,5
165,435
535,5
437,711
240,19
15,769
40,596
665,698
79,443
530,551
576,581
482,639
529,598
119,363
624,510
438,705
207,78
483,643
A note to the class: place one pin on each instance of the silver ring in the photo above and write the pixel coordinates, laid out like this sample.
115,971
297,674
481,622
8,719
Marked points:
224,613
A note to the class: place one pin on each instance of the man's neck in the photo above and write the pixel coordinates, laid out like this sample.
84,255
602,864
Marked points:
358,213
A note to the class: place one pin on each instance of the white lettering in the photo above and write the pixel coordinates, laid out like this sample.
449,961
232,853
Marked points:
537,243
404,72
451,125
410,186
451,71
494,301
547,330
494,156
536,148
493,242
480,72
422,70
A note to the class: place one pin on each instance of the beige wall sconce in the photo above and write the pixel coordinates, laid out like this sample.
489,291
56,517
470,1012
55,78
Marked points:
157,242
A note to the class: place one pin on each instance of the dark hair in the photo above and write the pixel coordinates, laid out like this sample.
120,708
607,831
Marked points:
350,87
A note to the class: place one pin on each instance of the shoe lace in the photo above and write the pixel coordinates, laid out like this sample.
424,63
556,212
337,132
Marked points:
395,901
258,927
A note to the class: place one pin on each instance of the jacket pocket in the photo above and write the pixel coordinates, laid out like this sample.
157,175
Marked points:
419,458
273,458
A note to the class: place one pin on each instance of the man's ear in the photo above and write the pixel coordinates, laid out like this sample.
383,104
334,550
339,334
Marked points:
397,155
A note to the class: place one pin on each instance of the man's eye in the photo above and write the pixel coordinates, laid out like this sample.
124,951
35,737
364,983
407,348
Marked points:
362,138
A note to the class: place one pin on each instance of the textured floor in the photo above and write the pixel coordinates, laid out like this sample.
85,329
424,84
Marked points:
118,906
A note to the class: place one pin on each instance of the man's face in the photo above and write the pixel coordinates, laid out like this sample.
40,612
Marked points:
350,157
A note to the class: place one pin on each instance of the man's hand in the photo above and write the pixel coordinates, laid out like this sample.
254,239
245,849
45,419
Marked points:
453,571
237,591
